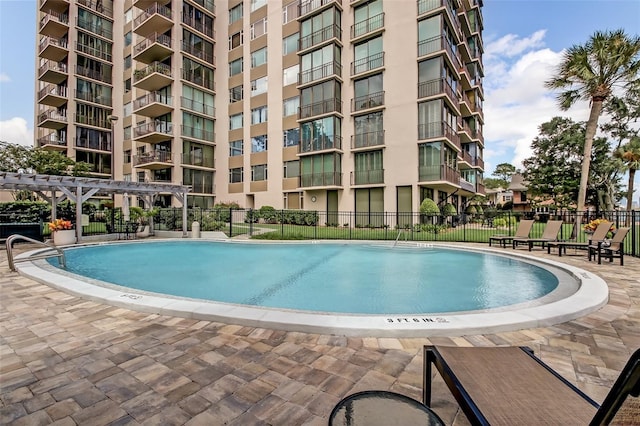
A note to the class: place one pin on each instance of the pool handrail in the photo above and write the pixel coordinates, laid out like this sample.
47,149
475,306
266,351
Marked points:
9,244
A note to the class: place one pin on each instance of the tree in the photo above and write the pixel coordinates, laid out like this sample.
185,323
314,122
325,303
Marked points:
504,171
629,153
22,159
14,158
492,183
590,72
553,171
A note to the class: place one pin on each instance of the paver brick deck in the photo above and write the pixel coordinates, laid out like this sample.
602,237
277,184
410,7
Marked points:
66,361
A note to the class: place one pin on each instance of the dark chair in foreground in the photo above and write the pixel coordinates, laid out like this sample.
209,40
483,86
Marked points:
510,386
524,228
609,250
598,235
550,233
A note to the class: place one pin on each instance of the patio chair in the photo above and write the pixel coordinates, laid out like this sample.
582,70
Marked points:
550,233
524,228
598,235
511,386
610,249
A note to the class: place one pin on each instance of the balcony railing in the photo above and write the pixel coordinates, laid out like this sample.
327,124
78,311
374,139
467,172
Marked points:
93,121
95,28
322,143
156,67
369,63
94,144
162,39
198,53
52,139
90,97
156,8
322,35
98,6
439,173
198,160
98,53
320,108
196,106
311,5
436,87
202,188
152,157
45,42
364,140
439,130
153,127
93,74
321,179
52,15
372,100
150,98
367,177
198,26
320,72
206,4
436,44
196,133
54,90
367,26
60,67
199,79
53,115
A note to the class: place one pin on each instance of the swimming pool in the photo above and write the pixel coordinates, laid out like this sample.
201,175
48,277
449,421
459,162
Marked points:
416,289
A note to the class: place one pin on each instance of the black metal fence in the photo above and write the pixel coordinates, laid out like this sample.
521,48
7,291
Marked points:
305,224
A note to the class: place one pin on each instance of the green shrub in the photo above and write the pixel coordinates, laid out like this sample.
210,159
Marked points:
268,214
449,210
471,209
429,207
500,222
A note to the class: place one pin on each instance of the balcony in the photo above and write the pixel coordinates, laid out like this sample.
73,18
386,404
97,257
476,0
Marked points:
93,144
54,49
203,188
153,104
97,6
154,160
320,72
197,78
199,26
198,134
197,53
100,76
97,53
153,77
93,98
320,108
370,63
323,143
321,179
367,102
312,6
439,173
439,44
54,24
439,130
196,106
368,26
153,48
52,142
95,27
467,186
206,5
53,72
52,119
368,139
153,132
430,7
464,157
53,95
90,120
367,177
480,189
57,5
156,18
319,37
198,160
433,88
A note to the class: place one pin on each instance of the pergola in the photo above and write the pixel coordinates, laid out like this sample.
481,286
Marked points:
80,189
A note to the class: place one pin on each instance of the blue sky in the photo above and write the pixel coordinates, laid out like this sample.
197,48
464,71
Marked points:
523,41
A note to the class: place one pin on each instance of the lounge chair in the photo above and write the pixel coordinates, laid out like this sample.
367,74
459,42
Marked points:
524,228
550,233
598,235
614,248
510,386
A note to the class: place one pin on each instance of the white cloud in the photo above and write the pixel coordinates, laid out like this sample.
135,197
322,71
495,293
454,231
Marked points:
4,78
15,130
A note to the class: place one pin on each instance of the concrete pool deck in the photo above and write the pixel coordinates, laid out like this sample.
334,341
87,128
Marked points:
67,360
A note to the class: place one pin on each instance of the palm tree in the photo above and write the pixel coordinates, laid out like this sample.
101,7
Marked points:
591,72
629,153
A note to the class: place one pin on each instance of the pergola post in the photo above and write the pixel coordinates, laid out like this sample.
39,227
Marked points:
184,215
79,213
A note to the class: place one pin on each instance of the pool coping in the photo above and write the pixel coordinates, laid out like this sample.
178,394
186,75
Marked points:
592,294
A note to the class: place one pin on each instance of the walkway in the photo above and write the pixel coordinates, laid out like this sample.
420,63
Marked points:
66,361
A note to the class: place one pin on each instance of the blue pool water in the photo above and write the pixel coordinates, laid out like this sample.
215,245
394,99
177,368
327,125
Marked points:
339,278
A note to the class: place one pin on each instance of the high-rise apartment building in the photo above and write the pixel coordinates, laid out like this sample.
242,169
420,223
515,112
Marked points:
330,105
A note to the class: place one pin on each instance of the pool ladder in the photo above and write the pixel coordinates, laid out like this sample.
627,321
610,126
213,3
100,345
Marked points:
9,243
398,237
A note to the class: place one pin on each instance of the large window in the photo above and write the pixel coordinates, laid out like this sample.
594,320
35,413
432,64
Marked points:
291,137
259,28
291,169
198,127
290,44
235,67
197,46
236,175
236,148
236,94
369,130
197,73
236,40
368,168
201,181
367,17
259,57
259,86
290,75
235,121
290,106
368,55
198,100
257,4
290,11
259,115
321,134
235,13
259,143
321,170
320,63
258,172
366,87
326,19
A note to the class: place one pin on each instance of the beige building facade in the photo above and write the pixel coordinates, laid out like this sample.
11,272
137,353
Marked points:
328,105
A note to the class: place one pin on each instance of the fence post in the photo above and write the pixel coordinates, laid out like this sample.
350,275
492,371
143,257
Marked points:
282,223
230,222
